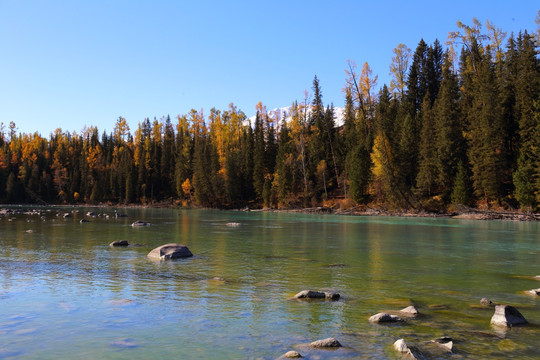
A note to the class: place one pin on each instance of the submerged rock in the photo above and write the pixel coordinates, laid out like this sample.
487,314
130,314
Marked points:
401,347
119,243
535,292
84,221
310,294
124,343
326,343
486,302
140,223
508,316
291,355
384,318
170,251
443,344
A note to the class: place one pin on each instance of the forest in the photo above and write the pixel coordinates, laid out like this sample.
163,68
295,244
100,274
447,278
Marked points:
458,125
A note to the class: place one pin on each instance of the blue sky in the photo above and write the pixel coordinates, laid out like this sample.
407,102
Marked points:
67,64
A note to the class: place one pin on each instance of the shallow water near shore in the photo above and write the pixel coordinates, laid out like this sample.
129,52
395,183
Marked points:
64,293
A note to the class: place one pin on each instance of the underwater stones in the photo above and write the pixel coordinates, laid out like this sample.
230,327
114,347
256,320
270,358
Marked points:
384,317
170,251
486,302
507,316
140,223
325,343
124,343
310,294
119,243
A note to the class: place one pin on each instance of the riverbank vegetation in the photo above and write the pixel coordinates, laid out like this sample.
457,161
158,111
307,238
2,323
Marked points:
457,125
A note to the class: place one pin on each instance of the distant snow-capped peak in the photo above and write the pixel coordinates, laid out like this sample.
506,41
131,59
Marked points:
285,112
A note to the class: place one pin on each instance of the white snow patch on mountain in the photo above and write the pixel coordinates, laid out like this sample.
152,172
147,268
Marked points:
285,112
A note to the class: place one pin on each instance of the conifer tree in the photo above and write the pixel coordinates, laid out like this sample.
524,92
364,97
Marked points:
449,142
462,188
426,178
527,87
283,177
485,136
259,170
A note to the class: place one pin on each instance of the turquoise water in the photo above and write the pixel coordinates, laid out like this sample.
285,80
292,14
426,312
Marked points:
64,293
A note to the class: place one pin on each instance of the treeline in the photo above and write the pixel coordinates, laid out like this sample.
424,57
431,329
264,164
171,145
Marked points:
455,126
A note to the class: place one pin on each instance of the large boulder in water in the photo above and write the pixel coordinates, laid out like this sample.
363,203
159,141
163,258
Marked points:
170,251
384,318
325,343
310,294
508,316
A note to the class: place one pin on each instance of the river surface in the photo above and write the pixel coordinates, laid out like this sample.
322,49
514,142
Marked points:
66,294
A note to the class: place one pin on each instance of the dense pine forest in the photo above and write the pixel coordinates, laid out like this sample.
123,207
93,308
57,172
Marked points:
457,125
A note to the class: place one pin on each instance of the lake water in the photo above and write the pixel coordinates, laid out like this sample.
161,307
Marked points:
64,293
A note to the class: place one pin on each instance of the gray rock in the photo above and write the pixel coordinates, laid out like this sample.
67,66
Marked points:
507,316
401,347
310,294
291,355
140,223
326,343
119,243
384,318
170,251
410,311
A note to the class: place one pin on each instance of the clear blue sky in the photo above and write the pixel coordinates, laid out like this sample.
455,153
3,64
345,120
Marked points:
67,64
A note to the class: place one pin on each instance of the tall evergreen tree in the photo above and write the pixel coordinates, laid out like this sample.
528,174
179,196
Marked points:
486,140
449,142
526,177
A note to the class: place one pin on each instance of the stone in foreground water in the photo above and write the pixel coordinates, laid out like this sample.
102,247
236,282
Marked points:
170,251
506,315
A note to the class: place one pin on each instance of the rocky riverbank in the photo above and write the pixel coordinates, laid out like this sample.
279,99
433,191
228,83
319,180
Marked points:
465,213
